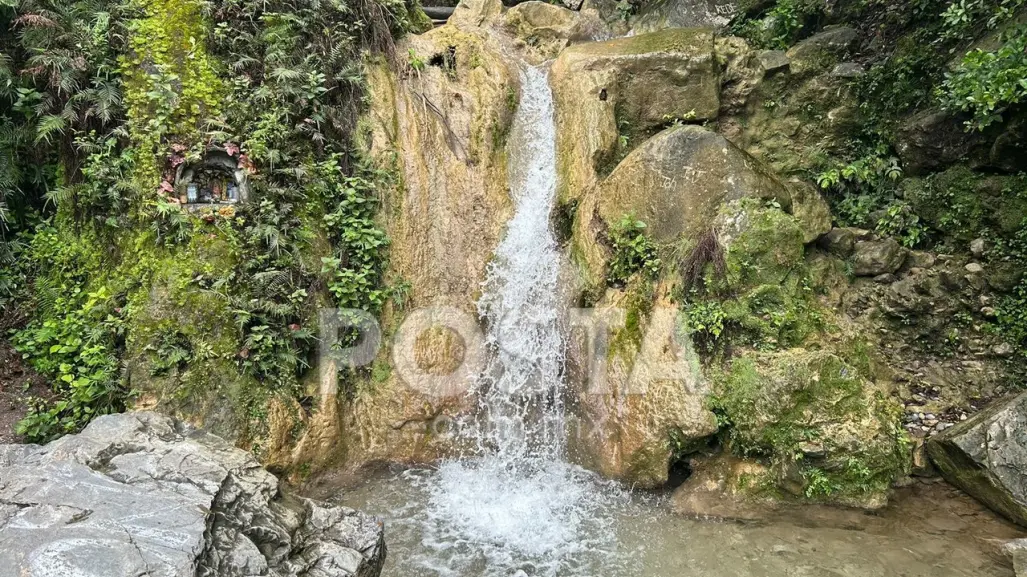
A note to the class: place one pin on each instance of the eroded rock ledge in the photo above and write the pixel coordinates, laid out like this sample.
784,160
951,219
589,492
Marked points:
140,494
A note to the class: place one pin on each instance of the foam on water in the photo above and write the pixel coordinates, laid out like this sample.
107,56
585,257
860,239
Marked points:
514,506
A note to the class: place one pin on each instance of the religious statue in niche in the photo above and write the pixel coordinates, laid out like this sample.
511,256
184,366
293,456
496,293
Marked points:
216,179
211,185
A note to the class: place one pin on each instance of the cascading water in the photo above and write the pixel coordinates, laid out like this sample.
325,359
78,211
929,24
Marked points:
521,409
515,506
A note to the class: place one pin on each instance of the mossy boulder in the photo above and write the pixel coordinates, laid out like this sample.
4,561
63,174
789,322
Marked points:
471,14
877,257
986,456
828,433
677,181
788,119
763,296
612,95
820,52
964,204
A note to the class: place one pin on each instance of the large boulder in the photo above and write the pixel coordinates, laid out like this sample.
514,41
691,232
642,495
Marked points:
138,494
610,96
626,420
986,456
662,14
678,180
877,257
548,28
934,139
470,14
827,433
821,51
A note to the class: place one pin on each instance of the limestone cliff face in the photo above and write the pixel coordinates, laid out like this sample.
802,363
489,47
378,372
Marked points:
439,123
670,128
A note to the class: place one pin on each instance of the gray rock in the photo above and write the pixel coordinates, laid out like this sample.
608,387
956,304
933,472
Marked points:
848,70
138,494
822,51
974,268
661,14
920,259
872,258
650,183
837,40
1003,350
810,209
986,456
977,247
1017,552
839,241
932,140
773,60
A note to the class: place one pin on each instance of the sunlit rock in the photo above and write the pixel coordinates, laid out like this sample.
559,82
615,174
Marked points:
138,494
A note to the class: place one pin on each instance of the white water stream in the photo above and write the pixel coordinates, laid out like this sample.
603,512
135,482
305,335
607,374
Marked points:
514,506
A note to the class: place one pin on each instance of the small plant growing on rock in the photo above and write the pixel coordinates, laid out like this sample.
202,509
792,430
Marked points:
633,252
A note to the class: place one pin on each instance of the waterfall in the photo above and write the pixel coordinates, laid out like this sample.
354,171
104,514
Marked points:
519,393
515,504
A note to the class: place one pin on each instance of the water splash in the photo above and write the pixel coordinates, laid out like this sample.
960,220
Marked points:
519,394
515,506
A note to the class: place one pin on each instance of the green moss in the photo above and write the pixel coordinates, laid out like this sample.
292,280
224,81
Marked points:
695,41
638,304
170,81
814,412
766,295
768,248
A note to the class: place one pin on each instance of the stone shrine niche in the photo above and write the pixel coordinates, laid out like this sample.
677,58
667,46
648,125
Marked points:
216,179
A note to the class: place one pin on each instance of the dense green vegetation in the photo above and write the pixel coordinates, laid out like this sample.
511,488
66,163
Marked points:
965,58
101,103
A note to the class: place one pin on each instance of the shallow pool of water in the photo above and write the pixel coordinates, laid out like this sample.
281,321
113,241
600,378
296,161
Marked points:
929,530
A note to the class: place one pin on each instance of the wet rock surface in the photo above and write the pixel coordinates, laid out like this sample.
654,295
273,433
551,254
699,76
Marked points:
139,494
986,456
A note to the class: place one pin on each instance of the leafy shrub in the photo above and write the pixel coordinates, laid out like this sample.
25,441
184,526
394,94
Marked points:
986,83
172,351
781,26
964,18
900,221
633,252
76,349
706,322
